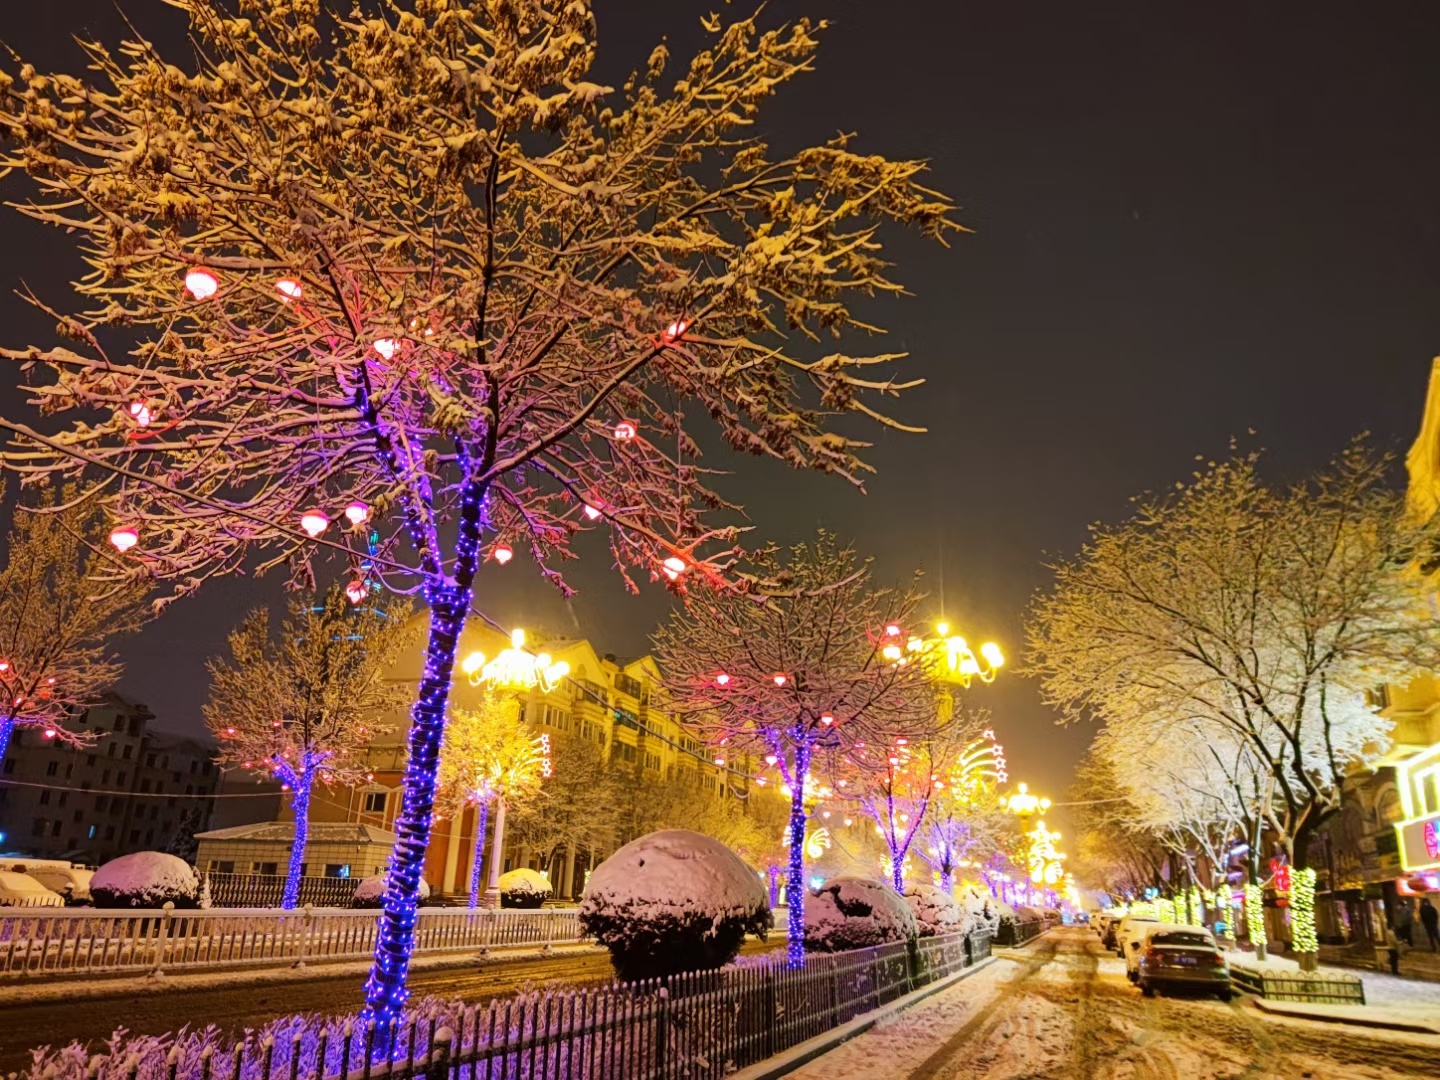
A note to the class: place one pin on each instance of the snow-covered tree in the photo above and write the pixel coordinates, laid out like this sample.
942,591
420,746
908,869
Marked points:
580,808
1259,613
796,673
57,619
303,706
411,268
966,823
488,756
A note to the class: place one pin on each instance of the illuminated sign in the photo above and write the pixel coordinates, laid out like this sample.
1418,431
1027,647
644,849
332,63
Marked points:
1419,842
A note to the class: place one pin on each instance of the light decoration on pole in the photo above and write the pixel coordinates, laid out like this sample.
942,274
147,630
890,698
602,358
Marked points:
1302,911
954,660
515,668
1255,917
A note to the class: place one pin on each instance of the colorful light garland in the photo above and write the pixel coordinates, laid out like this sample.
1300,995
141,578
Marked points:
1255,915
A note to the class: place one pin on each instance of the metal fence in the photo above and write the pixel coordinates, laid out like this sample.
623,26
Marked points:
57,943
693,1026
265,890
1019,933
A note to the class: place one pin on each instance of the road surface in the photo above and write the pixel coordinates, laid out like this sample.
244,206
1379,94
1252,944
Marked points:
1061,1009
234,1008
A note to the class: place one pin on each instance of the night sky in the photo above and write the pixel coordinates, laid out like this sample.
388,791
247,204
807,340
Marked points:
1189,221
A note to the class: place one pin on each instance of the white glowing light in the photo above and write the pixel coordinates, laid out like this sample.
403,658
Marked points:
502,553
592,512
673,567
201,283
357,513
314,522
140,413
355,591
289,289
386,347
124,538
625,431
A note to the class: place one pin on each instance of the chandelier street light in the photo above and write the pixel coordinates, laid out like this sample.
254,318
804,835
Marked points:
952,657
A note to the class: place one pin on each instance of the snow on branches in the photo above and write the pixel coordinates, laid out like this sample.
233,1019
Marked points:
56,619
1254,614
796,677
413,261
306,705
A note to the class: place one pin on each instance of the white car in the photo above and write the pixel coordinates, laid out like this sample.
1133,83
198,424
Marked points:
21,890
71,882
1129,933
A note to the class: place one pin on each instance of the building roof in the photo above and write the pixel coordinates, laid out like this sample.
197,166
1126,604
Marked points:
324,832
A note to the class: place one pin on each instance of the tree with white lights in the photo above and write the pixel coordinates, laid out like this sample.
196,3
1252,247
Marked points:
489,757
304,705
1259,614
56,620
965,821
414,275
798,678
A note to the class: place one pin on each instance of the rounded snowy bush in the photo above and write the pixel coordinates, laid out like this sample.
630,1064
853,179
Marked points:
524,888
145,879
370,893
673,901
856,913
936,912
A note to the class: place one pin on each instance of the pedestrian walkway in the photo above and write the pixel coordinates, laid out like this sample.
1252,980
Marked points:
1417,963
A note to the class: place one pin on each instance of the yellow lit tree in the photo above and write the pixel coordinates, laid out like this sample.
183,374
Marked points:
488,756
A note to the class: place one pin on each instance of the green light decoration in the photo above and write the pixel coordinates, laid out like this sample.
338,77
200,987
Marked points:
1165,910
1255,915
1302,911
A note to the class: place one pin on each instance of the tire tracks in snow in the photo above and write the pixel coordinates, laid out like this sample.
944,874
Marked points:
944,1060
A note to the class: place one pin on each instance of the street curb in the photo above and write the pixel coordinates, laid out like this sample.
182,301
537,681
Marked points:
803,1053
1279,1008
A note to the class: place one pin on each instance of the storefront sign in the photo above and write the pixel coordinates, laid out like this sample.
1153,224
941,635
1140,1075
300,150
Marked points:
1420,843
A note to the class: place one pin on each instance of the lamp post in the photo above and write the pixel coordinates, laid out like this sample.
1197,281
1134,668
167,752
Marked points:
515,671
1024,804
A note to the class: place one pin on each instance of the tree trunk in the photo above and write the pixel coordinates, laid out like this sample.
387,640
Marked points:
897,870
482,811
795,882
299,806
497,856
7,727
385,991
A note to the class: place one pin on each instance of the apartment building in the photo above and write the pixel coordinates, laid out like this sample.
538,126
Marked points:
130,788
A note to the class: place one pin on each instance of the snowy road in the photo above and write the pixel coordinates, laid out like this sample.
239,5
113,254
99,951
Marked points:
1061,1008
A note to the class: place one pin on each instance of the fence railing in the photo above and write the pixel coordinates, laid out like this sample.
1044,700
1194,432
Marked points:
56,943
693,1026
265,890
1018,933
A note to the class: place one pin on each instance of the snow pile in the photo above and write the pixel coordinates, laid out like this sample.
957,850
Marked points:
524,888
1029,914
673,901
856,913
371,892
145,879
936,912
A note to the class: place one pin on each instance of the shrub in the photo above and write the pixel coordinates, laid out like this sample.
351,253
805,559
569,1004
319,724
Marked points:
673,901
370,893
936,912
145,879
856,913
524,888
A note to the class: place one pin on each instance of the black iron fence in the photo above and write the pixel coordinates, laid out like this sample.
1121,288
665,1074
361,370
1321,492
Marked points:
265,890
1018,933
693,1026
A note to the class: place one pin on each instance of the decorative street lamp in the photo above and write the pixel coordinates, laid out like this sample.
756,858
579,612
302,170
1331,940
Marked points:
515,671
1024,804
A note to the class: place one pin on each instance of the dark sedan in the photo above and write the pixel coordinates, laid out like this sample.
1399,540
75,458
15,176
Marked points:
1183,958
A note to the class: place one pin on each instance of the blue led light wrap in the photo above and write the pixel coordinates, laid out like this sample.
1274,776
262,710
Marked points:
795,882
385,990
300,784
483,810
7,726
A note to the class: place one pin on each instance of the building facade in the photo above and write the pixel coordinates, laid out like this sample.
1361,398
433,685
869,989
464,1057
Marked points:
129,788
608,701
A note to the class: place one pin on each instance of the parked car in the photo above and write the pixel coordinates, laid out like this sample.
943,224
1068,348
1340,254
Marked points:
1129,931
1107,931
1181,957
71,882
22,890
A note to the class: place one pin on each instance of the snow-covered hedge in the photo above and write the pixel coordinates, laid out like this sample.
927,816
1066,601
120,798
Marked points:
673,901
856,913
936,912
371,892
982,909
1029,914
524,888
146,879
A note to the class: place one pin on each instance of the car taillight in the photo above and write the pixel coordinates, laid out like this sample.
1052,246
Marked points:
1152,956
